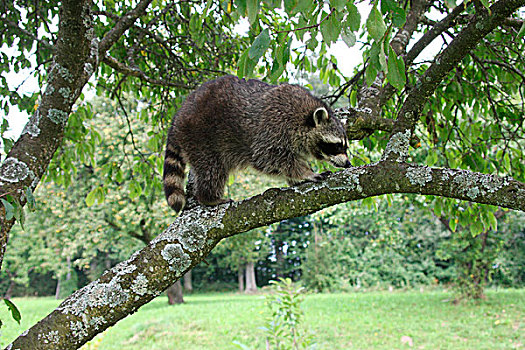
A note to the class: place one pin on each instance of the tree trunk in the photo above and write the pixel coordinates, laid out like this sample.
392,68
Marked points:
188,287
251,284
9,292
57,290
279,257
175,293
240,278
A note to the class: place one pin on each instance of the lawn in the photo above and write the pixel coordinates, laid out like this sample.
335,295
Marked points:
374,320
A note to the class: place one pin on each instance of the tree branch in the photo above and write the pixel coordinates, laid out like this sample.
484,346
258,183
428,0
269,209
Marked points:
135,72
420,45
360,124
121,26
27,33
72,66
368,96
480,25
195,232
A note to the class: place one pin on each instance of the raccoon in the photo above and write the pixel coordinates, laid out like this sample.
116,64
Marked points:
230,123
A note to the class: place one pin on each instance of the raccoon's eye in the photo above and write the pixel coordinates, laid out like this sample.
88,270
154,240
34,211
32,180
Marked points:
331,149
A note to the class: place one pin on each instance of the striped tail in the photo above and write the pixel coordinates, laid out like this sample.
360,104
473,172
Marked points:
173,177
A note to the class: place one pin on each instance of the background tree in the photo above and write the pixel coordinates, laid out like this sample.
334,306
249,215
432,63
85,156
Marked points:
394,100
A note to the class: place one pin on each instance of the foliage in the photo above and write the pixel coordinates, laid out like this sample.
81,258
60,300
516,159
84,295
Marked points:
339,321
391,245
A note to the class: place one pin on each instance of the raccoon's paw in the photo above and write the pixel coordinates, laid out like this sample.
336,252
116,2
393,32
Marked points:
320,177
312,178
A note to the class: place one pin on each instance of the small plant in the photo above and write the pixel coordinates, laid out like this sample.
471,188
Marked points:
283,327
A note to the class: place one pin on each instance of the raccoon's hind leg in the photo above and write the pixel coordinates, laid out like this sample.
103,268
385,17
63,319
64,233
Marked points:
209,183
191,200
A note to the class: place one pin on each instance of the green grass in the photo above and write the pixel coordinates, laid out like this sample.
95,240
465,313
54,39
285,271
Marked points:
375,320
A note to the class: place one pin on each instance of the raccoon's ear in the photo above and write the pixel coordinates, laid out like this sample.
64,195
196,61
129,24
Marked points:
319,116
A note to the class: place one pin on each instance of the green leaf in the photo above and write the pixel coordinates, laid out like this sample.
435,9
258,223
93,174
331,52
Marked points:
453,224
493,221
119,177
100,195
382,58
304,6
9,209
90,198
432,157
399,17
486,4
259,45
506,162
438,207
134,190
330,29
522,31
31,203
476,228
241,5
252,7
353,98
370,74
375,24
353,18
283,51
195,23
338,4
348,37
388,6
15,313
290,6
246,65
396,70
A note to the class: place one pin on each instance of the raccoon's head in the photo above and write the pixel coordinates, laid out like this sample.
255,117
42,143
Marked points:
328,139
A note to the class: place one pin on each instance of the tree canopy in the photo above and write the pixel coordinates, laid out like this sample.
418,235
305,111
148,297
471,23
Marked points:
449,127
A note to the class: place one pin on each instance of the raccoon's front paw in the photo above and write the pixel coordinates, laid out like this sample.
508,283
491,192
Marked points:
320,177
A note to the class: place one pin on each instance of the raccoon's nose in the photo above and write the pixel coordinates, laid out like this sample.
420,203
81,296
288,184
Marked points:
347,164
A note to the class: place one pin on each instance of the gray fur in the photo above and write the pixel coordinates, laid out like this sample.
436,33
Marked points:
229,124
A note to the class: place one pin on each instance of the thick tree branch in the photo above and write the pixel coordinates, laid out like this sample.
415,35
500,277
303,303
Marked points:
369,96
436,30
360,124
480,25
131,284
72,66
